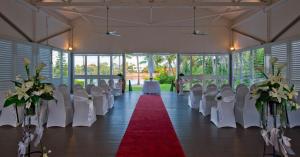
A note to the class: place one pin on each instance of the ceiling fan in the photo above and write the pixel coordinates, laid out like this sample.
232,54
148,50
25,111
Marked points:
197,32
110,33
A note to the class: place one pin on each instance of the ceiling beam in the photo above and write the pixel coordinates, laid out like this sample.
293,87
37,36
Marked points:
154,4
248,35
54,35
285,29
15,27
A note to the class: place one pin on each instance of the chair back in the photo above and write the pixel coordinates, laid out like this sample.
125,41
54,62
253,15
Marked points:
111,83
249,104
197,89
212,89
80,95
241,92
64,89
88,88
59,102
2,98
96,91
228,99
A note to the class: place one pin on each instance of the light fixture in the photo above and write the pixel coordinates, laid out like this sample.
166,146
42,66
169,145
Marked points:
232,48
70,48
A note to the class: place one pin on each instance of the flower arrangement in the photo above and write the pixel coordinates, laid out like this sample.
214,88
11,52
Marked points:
30,91
274,97
28,94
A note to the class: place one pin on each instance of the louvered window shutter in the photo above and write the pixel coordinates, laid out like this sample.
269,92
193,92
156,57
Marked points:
6,67
45,57
22,51
280,51
295,64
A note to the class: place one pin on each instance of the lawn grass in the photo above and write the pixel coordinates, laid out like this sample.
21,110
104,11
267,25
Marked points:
163,87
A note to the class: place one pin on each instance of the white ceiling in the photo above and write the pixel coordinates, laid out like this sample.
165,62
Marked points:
130,11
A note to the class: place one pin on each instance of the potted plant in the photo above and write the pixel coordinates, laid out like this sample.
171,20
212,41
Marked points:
274,97
28,94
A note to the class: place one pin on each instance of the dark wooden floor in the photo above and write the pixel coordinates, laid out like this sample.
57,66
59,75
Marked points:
198,136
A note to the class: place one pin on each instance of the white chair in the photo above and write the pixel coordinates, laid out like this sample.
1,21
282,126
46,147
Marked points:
89,87
8,114
222,115
195,96
84,112
208,99
294,116
245,111
110,96
65,90
116,90
99,100
59,113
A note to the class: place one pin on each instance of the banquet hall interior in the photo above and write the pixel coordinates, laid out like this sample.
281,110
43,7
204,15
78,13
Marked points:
149,78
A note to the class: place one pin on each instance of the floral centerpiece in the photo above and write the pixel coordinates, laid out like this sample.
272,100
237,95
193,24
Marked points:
274,97
28,94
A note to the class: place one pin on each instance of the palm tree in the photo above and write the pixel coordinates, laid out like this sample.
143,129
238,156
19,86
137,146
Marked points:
170,59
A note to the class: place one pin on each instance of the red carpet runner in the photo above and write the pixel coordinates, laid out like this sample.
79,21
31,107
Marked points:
150,132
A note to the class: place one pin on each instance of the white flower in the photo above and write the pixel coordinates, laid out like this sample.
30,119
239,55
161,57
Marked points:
19,78
26,61
48,89
273,60
40,67
38,93
28,104
21,92
28,84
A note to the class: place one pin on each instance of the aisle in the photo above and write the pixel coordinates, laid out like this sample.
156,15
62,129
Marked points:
150,132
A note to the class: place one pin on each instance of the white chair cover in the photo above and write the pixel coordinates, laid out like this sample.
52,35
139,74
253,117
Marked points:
222,115
294,116
108,92
241,92
116,90
99,100
195,96
208,99
251,116
89,87
84,112
65,90
59,113
8,115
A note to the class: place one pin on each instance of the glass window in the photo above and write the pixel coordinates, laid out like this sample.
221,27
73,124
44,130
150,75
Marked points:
92,81
209,65
56,62
197,65
79,64
92,65
185,65
259,62
65,65
79,82
117,64
104,65
246,67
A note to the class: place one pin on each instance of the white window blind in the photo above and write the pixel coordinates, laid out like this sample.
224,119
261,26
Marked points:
23,50
45,57
6,64
280,51
295,64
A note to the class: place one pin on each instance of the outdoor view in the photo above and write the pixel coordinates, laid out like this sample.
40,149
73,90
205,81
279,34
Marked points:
204,69
137,70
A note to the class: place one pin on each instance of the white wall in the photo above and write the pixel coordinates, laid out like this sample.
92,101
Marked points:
32,22
89,37
281,15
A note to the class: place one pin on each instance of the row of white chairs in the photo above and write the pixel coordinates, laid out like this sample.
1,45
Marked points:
231,108
81,108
